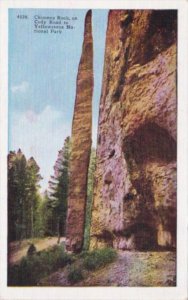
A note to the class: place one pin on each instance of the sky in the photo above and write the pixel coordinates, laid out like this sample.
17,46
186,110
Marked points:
42,82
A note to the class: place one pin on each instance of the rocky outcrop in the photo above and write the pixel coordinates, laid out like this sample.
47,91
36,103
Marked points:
135,184
80,144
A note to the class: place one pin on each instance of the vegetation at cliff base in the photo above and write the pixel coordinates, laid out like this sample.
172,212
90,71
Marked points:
99,258
90,261
34,267
37,265
75,274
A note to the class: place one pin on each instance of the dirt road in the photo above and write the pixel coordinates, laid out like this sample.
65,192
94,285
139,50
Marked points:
19,249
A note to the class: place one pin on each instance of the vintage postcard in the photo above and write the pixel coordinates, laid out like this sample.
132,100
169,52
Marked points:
94,150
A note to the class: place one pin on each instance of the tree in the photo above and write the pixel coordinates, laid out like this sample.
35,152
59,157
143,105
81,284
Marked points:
17,185
42,225
33,178
23,179
58,190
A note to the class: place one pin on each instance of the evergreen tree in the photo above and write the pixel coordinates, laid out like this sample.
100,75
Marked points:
58,190
23,178
42,224
33,197
17,186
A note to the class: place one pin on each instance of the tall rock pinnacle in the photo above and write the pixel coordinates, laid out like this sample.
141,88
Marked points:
80,143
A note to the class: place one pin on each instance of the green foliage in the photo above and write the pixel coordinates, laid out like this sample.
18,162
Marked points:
99,258
58,191
75,274
90,261
23,196
44,224
90,185
32,268
55,258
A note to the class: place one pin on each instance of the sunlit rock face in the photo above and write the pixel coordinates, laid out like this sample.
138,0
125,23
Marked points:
135,183
80,144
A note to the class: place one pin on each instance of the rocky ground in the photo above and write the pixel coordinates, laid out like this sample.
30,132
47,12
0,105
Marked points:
131,269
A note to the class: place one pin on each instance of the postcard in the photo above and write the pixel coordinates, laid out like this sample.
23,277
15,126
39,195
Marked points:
94,150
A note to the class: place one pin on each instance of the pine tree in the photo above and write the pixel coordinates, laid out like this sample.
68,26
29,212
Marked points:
33,178
23,178
43,215
58,190
13,213
17,187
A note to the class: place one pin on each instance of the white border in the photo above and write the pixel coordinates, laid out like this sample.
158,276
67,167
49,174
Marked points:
168,293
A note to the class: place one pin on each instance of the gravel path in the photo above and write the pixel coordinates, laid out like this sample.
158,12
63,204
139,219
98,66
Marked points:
129,269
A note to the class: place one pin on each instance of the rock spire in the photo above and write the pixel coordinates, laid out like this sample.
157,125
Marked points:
80,143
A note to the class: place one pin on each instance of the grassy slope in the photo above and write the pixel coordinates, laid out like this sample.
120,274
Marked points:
129,269
138,269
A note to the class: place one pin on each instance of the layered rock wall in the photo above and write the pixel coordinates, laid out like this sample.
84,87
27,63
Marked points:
135,184
80,144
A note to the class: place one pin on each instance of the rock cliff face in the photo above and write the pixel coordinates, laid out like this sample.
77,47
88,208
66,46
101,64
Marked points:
135,183
80,144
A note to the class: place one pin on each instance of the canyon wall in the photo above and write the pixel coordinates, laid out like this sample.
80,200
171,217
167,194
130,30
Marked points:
80,144
135,182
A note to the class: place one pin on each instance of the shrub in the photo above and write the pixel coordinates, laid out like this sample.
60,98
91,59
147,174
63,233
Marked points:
32,268
75,274
83,254
98,258
27,273
31,250
58,258
13,275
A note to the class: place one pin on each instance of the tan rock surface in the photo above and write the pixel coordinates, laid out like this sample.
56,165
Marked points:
81,144
135,183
